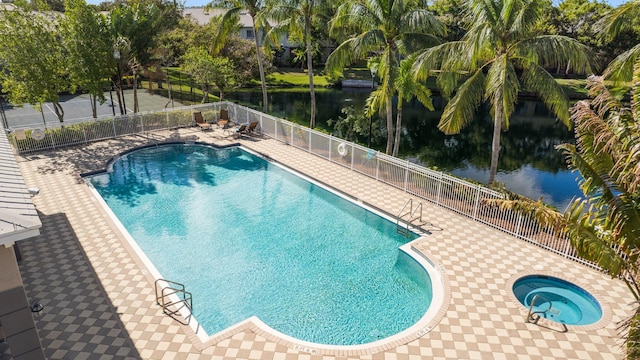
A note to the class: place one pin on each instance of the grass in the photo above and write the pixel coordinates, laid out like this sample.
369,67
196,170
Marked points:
295,78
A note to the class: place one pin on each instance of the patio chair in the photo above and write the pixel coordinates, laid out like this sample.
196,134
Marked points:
252,127
200,121
223,121
237,132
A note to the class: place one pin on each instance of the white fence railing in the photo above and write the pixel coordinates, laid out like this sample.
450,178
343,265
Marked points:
460,196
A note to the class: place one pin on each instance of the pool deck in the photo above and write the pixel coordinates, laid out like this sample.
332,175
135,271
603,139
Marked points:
99,298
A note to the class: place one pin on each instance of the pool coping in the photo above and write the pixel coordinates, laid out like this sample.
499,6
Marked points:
605,319
201,340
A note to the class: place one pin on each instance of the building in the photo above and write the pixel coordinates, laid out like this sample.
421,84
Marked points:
19,220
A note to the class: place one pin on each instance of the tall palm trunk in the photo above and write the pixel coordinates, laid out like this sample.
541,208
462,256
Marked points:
495,143
263,81
396,142
388,106
312,122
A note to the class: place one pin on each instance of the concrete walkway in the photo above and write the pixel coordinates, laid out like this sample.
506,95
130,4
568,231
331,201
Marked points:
99,300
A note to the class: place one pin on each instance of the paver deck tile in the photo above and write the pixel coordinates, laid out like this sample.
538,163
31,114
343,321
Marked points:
99,299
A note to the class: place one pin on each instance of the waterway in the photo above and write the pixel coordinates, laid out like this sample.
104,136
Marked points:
529,163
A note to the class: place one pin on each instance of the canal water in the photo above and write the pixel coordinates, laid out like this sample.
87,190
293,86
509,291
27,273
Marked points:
529,163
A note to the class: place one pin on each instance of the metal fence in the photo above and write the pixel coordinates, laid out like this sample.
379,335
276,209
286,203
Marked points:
30,139
460,196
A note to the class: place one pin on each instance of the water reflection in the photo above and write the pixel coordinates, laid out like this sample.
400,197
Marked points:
529,163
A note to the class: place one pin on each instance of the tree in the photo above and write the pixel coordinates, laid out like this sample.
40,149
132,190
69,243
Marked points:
623,18
604,227
296,18
406,88
206,70
577,20
89,51
33,58
390,28
500,56
254,9
138,25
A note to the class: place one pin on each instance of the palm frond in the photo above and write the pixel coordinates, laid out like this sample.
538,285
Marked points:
619,19
551,51
535,78
460,110
621,68
501,85
420,21
435,58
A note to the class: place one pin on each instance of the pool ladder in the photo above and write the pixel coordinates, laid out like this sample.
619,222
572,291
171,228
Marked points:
165,290
534,316
408,215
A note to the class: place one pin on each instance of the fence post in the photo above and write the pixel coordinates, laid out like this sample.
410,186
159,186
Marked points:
439,188
142,123
406,175
330,146
477,203
352,157
309,139
84,132
113,125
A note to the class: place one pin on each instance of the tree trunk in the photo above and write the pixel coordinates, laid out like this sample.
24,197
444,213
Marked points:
396,142
135,93
263,81
312,122
94,106
495,143
389,104
57,108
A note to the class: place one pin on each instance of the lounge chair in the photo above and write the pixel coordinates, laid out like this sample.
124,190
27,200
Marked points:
200,121
224,121
252,127
237,132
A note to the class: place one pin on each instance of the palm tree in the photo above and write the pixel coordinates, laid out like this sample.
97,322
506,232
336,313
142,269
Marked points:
500,56
296,17
390,28
406,88
229,21
604,227
615,22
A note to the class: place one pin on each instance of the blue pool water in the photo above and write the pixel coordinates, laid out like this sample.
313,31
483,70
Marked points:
249,238
558,300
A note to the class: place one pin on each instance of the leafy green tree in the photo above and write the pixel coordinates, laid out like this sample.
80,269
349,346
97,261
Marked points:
89,52
624,18
33,58
390,28
207,70
139,25
604,227
254,9
500,56
243,55
296,18
577,20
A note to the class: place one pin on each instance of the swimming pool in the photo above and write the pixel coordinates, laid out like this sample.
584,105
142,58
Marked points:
249,238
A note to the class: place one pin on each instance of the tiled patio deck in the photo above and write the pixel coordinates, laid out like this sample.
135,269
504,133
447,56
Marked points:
99,300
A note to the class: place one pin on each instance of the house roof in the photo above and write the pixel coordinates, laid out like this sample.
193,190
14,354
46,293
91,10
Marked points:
18,216
202,17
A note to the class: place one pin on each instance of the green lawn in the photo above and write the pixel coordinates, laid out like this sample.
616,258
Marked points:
299,78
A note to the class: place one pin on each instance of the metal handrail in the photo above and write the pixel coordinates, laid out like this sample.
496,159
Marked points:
164,294
530,318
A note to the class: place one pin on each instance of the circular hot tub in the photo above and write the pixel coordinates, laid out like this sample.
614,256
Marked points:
557,300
